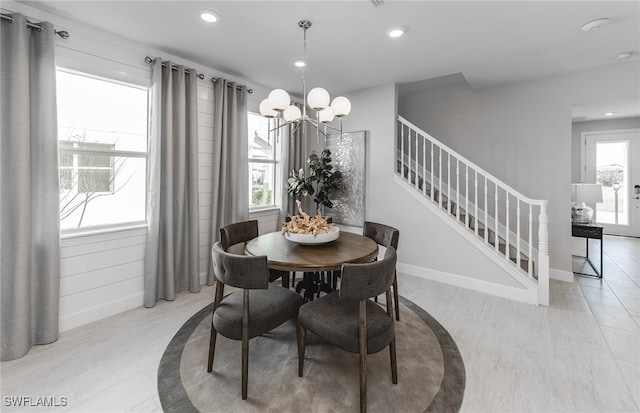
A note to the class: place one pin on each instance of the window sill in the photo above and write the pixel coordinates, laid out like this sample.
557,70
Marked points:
78,233
272,210
263,209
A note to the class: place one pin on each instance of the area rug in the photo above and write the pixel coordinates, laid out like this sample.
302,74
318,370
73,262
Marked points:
431,374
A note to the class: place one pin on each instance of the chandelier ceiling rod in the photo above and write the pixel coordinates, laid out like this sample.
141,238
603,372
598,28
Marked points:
304,24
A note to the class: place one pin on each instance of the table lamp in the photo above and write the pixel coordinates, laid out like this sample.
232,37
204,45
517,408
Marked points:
580,195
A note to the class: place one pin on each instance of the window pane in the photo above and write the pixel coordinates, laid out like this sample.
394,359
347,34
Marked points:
91,180
262,184
66,159
98,111
261,145
66,178
105,196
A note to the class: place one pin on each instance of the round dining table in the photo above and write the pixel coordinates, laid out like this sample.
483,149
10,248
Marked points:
286,255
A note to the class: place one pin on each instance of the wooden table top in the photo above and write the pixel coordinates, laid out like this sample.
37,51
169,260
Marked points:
289,256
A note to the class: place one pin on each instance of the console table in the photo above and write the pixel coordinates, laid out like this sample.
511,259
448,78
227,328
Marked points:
593,231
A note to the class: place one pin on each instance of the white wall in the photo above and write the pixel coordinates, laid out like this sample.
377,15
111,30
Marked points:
589,126
520,132
102,274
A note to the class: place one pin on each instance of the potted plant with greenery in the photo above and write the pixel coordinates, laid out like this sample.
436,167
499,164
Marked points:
322,181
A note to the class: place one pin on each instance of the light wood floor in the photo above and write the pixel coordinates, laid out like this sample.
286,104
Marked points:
582,353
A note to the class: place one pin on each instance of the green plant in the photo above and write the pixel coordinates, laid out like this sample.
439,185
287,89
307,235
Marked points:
298,185
322,181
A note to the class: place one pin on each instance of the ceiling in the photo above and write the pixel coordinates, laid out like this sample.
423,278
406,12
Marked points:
490,43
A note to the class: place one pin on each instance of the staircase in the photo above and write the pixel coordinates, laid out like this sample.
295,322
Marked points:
494,217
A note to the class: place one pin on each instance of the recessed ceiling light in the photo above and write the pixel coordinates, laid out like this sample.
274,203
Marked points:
299,63
209,16
609,114
594,25
395,32
624,55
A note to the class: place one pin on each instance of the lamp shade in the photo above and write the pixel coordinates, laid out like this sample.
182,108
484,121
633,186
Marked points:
318,98
279,99
266,110
588,193
341,106
292,114
326,115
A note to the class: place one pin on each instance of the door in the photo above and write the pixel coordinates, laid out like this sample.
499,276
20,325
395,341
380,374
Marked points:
612,159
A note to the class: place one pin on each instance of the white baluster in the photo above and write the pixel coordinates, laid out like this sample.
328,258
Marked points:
448,181
530,254
475,185
402,151
440,176
543,255
507,248
466,195
518,236
496,218
424,166
486,213
416,161
431,187
457,188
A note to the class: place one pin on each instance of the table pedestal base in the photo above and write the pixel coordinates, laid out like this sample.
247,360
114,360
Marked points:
313,283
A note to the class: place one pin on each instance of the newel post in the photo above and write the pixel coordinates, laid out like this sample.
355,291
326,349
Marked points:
543,255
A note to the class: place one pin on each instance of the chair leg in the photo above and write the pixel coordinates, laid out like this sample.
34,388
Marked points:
395,295
245,345
302,338
362,340
394,362
212,348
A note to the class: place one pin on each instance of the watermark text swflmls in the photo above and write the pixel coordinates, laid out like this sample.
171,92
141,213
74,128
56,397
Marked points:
35,401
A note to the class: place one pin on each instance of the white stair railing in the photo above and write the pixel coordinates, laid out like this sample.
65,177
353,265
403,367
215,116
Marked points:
504,220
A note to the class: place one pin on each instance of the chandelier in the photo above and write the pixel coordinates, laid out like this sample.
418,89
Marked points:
278,104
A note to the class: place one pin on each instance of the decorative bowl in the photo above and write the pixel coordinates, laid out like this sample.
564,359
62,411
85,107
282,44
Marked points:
310,239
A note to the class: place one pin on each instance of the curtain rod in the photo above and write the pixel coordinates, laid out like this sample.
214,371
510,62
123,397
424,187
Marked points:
148,59
62,33
215,79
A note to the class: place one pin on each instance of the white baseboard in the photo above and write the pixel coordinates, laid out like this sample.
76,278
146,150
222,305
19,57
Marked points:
517,294
559,275
102,311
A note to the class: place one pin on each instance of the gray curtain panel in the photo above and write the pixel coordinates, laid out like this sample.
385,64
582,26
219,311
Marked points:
29,188
171,257
294,158
230,182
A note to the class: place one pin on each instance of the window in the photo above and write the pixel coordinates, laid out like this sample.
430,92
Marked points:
102,141
264,181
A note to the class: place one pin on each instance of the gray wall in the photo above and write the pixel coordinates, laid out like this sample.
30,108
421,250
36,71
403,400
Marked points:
590,126
520,132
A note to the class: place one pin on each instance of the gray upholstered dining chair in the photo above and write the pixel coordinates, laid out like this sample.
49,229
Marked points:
234,236
349,320
386,236
257,308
